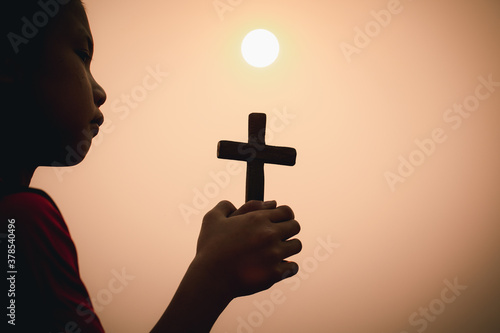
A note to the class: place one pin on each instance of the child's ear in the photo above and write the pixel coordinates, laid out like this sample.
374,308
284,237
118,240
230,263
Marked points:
9,70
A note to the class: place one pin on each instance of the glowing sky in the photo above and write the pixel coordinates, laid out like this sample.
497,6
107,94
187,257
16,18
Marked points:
393,109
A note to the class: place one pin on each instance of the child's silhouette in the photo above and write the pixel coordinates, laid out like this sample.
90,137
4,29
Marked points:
51,102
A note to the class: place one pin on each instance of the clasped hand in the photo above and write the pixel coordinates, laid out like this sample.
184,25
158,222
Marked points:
246,248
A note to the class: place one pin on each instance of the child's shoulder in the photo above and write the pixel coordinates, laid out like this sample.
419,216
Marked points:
24,199
37,220
33,206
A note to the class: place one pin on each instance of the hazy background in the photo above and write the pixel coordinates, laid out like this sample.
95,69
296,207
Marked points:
349,121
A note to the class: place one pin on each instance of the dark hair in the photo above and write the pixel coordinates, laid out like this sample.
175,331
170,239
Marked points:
23,26
22,23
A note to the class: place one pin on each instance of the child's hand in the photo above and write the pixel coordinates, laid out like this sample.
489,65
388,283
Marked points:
245,248
240,252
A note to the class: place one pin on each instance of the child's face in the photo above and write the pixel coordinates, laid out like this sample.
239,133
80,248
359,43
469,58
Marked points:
66,95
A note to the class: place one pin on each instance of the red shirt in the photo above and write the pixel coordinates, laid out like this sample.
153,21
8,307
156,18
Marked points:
49,293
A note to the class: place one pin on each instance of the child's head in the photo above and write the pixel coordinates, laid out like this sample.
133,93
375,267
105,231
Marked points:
49,98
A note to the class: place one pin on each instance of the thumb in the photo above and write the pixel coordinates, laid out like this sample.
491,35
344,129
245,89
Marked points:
253,206
223,209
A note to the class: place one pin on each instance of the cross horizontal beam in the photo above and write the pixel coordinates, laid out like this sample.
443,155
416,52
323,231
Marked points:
248,152
256,153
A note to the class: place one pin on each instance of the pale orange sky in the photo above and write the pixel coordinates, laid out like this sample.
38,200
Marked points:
351,118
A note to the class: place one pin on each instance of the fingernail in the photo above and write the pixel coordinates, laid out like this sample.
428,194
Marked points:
269,204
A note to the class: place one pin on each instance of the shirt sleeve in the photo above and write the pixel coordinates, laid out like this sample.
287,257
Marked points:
49,293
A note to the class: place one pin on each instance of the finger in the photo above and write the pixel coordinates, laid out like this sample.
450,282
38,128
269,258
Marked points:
287,269
291,247
287,229
253,206
221,210
280,214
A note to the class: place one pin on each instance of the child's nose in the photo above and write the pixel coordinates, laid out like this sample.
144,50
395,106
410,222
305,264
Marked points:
99,95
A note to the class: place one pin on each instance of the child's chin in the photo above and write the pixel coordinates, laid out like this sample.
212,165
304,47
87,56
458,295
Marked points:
69,158
61,164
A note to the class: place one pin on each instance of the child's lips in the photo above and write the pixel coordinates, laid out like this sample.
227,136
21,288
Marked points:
94,129
99,118
96,123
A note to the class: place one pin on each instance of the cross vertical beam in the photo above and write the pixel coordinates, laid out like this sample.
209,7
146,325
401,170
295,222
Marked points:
255,167
256,153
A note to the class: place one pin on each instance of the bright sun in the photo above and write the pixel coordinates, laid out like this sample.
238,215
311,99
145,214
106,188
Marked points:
260,48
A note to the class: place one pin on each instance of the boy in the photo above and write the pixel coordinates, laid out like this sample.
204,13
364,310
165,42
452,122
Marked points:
51,101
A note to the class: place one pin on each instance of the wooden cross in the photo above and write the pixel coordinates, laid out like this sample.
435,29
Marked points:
256,153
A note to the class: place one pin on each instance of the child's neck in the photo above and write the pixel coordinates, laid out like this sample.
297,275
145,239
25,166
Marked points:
16,176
